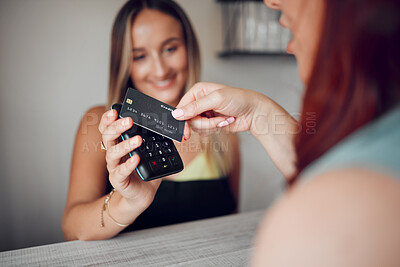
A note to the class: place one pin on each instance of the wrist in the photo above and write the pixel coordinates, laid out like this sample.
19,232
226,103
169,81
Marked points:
132,206
120,211
260,118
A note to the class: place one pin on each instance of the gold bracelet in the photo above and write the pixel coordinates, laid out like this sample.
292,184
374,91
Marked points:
106,206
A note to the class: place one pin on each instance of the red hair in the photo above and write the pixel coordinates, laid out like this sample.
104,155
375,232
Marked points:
356,75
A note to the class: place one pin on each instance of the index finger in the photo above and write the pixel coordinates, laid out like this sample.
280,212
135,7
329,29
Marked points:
107,119
197,91
200,98
197,107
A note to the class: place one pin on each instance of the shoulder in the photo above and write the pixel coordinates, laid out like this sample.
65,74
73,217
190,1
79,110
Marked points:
91,118
95,113
88,128
345,217
100,109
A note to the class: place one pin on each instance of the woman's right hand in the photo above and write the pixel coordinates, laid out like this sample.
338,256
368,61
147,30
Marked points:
237,110
231,106
120,166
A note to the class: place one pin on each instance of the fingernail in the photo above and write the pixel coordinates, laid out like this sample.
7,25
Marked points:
177,113
222,124
125,122
230,119
110,114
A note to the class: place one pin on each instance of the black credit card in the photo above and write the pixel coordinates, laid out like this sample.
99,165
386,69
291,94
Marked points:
151,114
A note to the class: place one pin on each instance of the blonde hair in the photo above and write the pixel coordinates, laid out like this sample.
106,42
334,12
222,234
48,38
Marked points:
120,62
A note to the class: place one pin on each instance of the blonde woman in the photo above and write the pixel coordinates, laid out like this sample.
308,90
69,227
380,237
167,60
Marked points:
154,49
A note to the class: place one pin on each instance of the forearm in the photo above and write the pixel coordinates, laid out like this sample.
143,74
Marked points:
84,221
275,129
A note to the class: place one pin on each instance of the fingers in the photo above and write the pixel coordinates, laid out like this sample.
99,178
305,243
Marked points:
197,91
202,123
119,178
212,101
186,131
112,132
116,152
107,119
206,126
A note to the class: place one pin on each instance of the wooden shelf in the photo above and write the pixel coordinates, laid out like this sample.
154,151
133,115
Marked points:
227,54
240,1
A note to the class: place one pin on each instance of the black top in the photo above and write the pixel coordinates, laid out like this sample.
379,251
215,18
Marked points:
177,202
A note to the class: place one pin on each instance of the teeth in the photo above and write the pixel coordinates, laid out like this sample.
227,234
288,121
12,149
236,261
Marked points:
162,83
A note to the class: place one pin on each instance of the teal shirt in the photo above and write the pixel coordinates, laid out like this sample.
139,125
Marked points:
375,146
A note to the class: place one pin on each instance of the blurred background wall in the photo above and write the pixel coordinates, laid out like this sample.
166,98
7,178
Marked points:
54,65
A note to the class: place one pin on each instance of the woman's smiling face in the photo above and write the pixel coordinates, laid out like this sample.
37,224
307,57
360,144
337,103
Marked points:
159,65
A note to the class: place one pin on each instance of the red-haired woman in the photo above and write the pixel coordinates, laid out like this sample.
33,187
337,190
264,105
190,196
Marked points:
342,159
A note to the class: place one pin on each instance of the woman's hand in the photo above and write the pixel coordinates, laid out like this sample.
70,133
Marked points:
210,106
121,168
